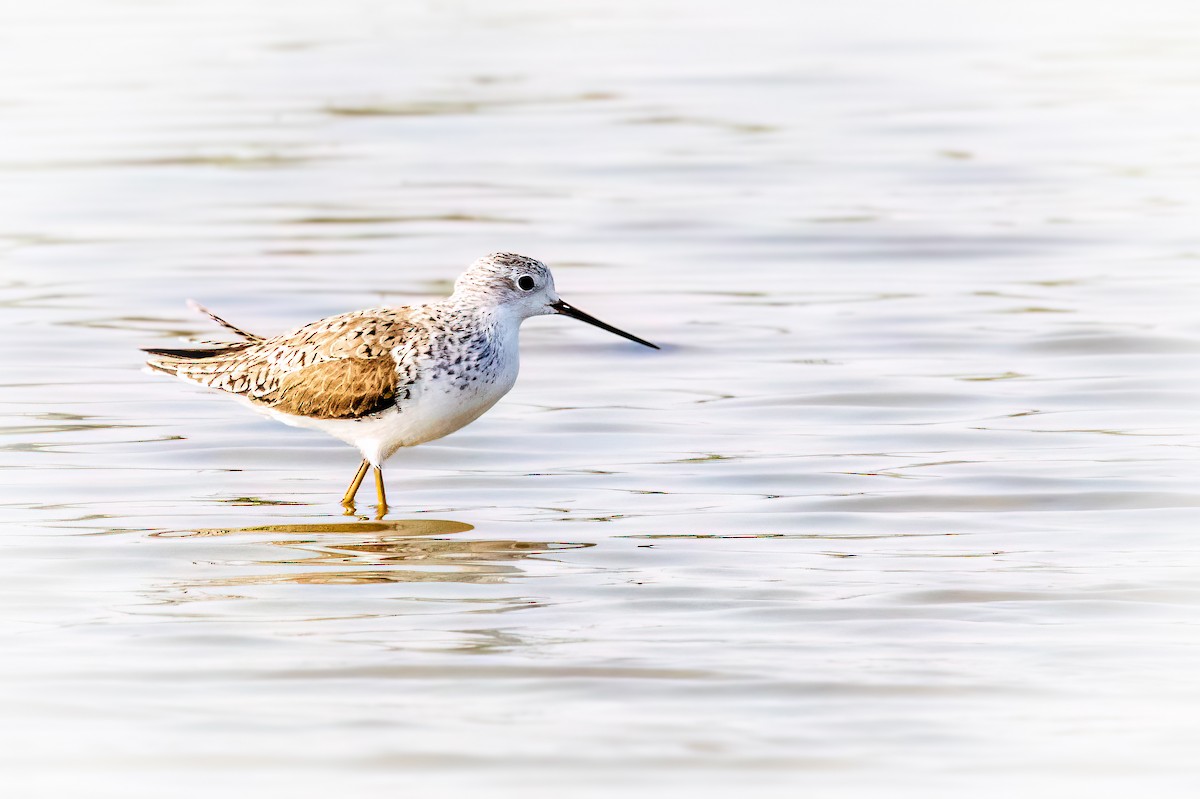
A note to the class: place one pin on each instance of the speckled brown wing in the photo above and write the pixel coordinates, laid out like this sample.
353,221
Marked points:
342,367
346,388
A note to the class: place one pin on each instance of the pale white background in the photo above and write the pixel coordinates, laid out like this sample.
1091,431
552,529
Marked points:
905,506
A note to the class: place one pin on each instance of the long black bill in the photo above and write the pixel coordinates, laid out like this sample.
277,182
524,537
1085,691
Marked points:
570,310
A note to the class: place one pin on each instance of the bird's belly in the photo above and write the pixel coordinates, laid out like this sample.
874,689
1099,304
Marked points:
434,409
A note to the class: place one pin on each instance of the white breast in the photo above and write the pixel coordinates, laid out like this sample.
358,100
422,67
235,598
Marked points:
441,406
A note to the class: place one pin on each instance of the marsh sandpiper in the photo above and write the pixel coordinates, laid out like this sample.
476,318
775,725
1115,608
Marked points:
387,378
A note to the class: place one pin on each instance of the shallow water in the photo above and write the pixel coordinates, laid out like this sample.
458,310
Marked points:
908,500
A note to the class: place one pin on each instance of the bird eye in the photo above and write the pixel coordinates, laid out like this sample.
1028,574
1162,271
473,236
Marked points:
525,282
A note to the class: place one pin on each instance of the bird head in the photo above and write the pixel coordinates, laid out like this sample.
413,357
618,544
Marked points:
523,286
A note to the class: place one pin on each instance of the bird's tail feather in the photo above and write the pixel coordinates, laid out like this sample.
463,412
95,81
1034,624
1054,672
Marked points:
172,359
184,362
198,308
195,353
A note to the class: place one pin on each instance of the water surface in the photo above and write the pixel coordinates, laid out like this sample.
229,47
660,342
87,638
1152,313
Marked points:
907,501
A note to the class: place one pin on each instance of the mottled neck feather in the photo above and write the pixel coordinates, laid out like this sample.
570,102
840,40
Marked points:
462,321
479,289
473,302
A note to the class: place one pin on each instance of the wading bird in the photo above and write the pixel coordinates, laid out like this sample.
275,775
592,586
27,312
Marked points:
387,378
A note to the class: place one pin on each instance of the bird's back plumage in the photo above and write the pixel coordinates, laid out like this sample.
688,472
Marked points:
341,367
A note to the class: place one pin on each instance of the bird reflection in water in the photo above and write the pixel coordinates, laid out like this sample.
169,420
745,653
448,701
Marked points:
399,551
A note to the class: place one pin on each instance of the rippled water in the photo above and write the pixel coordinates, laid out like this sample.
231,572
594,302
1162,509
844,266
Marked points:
908,501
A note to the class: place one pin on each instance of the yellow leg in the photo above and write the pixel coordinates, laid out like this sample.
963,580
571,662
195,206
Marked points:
348,499
382,494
